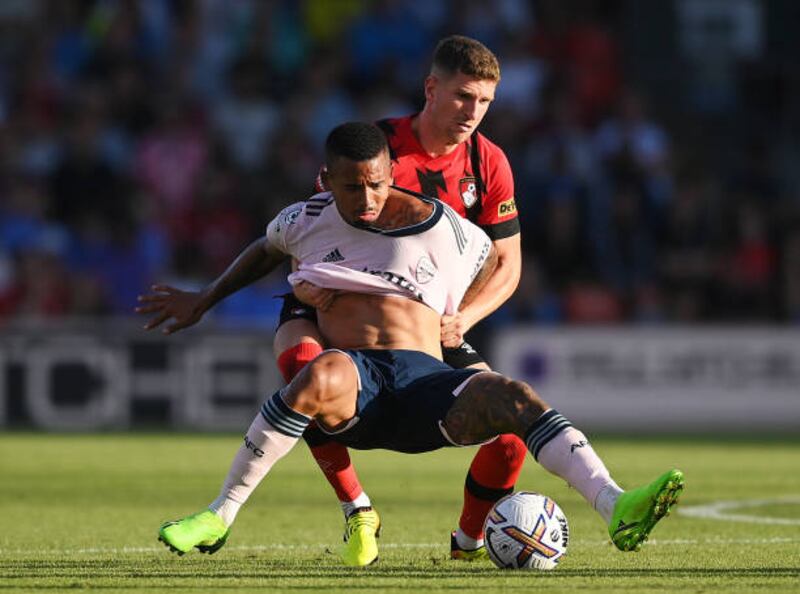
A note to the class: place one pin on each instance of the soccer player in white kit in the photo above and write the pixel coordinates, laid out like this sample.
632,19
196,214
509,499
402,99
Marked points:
384,384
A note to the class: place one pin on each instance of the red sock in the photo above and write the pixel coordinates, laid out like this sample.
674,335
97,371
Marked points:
293,359
333,458
492,474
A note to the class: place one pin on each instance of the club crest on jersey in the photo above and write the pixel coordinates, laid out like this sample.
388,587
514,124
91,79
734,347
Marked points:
468,188
425,270
290,217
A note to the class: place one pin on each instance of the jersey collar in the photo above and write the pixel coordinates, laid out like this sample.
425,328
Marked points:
415,229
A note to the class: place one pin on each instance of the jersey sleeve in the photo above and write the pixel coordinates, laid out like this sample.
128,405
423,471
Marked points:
480,244
280,229
472,247
498,215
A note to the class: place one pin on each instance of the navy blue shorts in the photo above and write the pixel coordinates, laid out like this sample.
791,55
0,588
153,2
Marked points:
404,395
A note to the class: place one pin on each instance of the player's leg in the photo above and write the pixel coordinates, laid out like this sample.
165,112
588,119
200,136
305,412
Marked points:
303,347
333,405
492,404
361,524
326,389
492,474
297,341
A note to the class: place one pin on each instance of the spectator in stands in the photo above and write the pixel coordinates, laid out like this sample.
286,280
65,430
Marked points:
246,117
633,146
170,161
625,245
688,260
750,265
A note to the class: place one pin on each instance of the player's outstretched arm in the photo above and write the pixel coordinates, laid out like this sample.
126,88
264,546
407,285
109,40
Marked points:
166,303
187,308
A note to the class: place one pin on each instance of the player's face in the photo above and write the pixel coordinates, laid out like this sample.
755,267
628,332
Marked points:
458,104
360,187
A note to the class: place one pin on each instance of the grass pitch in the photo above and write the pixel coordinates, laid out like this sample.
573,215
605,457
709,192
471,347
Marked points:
81,512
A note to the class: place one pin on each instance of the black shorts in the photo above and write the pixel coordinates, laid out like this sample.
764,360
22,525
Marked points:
458,357
462,356
294,309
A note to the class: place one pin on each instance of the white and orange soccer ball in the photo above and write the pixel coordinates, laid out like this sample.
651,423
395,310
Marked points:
526,530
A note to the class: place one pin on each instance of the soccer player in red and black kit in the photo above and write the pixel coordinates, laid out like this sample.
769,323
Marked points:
437,152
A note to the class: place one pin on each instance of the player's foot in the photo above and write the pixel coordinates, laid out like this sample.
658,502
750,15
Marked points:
456,552
638,511
362,528
204,531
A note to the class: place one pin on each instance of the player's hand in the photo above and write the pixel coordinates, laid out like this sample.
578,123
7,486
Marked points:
314,295
184,307
453,330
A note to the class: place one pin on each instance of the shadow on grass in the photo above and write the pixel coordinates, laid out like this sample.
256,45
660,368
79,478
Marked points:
13,572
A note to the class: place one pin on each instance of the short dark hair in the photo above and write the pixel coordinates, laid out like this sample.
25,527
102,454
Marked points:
357,141
459,53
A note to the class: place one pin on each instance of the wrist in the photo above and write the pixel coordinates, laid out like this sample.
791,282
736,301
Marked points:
206,301
468,319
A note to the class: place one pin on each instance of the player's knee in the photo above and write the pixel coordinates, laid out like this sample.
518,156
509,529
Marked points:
514,394
491,405
516,400
323,381
526,396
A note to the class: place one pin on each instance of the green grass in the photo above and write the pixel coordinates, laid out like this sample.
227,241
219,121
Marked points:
81,512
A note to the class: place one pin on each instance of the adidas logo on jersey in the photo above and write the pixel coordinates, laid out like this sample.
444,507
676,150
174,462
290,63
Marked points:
334,256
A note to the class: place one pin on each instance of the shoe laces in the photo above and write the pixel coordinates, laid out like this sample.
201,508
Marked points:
363,517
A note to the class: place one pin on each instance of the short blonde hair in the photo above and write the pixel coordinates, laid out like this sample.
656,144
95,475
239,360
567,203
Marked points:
459,53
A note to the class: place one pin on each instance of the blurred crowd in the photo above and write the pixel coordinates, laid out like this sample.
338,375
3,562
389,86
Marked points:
151,141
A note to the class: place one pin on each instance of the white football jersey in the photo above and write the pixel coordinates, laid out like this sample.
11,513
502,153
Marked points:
433,261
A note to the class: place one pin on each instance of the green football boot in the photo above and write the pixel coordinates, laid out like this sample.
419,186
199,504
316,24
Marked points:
636,512
362,528
204,531
456,552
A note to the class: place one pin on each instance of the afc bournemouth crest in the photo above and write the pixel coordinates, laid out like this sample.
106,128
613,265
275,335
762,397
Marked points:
468,188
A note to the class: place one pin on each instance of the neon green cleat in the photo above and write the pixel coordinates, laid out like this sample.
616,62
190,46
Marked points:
638,511
456,552
362,528
204,531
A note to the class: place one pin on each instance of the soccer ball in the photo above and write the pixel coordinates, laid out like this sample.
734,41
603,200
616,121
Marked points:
526,530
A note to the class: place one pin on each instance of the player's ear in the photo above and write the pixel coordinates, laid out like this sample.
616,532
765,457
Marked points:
430,86
324,177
